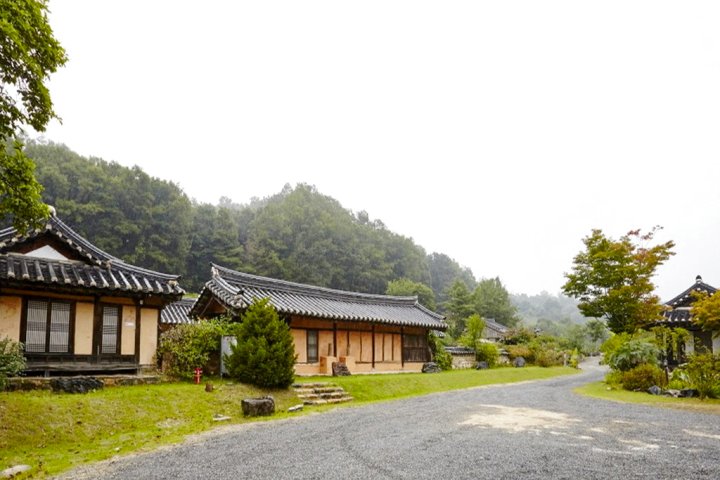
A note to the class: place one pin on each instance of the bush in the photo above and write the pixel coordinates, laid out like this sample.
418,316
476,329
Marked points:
614,378
186,347
12,361
515,351
633,353
548,357
439,354
518,336
264,354
642,377
487,352
703,373
614,342
575,358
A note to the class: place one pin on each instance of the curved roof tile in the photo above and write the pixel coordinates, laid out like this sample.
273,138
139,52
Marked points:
237,290
98,270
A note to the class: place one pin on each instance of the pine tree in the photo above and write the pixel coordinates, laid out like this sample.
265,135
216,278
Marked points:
264,354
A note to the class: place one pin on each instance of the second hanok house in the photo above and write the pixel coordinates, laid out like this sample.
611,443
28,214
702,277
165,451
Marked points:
368,333
678,313
75,307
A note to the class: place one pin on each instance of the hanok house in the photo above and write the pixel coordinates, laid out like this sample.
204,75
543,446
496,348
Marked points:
368,333
75,307
679,314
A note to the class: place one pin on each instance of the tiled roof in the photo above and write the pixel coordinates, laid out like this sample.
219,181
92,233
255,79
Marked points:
686,298
236,290
459,350
680,307
497,327
97,271
177,312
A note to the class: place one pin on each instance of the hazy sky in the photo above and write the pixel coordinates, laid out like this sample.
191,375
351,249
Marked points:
499,133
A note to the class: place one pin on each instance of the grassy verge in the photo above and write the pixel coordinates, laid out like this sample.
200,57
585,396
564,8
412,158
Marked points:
602,390
372,388
54,432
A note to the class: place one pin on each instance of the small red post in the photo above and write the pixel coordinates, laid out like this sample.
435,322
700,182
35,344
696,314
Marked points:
198,375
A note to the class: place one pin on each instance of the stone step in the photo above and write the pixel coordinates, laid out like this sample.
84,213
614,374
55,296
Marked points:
321,393
313,385
303,391
343,399
324,395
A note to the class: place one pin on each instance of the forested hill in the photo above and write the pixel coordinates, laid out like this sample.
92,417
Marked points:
297,235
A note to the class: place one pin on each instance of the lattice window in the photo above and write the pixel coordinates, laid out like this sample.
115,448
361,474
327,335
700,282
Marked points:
312,346
48,327
59,328
36,332
110,329
415,348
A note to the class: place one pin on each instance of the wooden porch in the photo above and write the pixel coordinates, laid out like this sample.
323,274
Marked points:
48,364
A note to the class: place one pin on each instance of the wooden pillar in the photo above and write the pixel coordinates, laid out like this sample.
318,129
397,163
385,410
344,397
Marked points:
97,330
373,346
402,347
335,354
138,306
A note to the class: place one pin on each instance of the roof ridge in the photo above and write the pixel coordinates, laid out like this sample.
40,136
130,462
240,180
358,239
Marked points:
698,285
286,285
82,246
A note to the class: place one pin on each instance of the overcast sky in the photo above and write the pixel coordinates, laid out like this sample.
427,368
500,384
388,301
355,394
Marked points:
499,133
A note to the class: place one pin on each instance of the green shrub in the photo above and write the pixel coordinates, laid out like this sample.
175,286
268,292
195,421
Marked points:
12,361
614,379
677,385
548,357
642,377
614,342
188,346
515,351
518,336
703,372
575,358
439,354
487,352
264,354
632,353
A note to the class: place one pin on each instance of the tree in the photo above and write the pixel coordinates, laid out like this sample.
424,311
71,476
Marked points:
474,327
492,300
406,287
706,311
29,53
596,330
264,354
459,307
613,279
444,271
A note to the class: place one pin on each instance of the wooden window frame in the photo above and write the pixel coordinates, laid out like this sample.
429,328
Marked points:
415,348
118,340
50,302
316,334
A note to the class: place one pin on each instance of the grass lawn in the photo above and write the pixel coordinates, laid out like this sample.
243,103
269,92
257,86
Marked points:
371,388
54,432
601,390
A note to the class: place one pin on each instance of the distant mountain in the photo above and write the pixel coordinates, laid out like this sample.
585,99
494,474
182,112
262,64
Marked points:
298,234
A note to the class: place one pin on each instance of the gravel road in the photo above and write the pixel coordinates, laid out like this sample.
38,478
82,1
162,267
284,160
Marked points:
533,430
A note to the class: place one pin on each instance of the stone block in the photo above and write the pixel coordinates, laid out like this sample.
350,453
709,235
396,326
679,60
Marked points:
254,407
339,369
431,367
76,384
